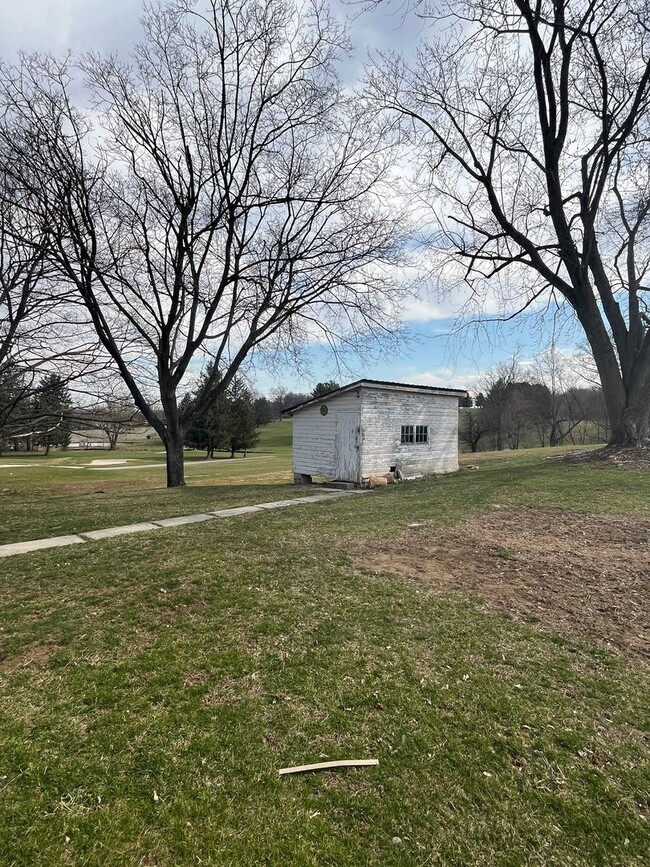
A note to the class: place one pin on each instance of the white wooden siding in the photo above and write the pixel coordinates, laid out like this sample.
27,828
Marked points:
379,414
314,436
382,415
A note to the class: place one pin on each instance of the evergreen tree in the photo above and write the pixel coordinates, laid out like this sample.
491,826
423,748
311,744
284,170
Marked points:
322,388
264,412
243,433
229,423
49,410
210,430
14,400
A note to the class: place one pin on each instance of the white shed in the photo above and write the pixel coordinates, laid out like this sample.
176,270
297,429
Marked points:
370,427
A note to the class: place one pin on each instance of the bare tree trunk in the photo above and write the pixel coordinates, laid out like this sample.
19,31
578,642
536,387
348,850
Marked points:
635,425
174,461
636,416
628,407
173,439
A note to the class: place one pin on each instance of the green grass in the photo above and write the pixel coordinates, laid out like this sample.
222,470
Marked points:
151,687
62,494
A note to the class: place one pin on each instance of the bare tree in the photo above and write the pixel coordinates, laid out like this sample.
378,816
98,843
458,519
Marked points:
497,384
518,413
22,268
531,119
23,301
282,398
552,369
226,199
567,403
472,426
43,332
596,414
114,416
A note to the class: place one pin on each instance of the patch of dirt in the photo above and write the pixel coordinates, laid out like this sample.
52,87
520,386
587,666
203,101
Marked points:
580,575
636,457
34,657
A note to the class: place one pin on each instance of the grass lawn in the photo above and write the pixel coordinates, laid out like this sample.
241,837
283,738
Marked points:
151,687
68,493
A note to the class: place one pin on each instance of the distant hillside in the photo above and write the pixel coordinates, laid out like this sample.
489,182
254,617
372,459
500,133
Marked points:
275,437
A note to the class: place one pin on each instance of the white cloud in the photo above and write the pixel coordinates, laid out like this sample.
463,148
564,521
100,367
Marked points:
442,377
58,26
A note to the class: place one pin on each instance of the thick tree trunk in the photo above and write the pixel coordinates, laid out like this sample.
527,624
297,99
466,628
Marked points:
627,399
175,460
628,410
635,426
173,439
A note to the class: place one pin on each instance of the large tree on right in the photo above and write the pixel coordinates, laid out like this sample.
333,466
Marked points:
531,122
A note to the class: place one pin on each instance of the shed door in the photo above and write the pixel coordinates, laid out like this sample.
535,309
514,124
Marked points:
347,446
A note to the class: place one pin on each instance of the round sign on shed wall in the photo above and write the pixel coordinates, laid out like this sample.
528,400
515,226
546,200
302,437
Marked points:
323,410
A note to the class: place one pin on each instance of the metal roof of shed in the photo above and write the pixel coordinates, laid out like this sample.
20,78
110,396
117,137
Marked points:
377,383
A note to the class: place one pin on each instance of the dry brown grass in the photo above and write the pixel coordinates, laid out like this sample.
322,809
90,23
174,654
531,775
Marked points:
577,574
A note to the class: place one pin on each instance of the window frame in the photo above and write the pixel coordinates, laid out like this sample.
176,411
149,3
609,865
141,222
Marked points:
421,434
414,434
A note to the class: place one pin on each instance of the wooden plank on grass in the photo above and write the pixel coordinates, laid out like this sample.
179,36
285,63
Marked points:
321,766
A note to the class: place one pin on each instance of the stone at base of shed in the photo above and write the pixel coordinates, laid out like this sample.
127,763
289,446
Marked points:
305,479
376,481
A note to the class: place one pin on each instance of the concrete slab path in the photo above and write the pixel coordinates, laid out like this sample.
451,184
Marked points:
145,526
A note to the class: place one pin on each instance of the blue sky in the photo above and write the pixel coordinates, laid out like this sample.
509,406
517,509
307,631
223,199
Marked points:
444,352
435,351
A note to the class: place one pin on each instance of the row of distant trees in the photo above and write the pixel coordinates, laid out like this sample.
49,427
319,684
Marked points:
270,408
543,407
44,414
523,414
514,409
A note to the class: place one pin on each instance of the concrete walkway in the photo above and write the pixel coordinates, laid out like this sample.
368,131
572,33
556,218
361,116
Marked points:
109,532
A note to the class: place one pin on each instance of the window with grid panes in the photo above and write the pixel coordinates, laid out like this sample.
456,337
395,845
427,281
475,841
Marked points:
414,433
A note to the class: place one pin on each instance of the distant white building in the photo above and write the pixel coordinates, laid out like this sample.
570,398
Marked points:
369,428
